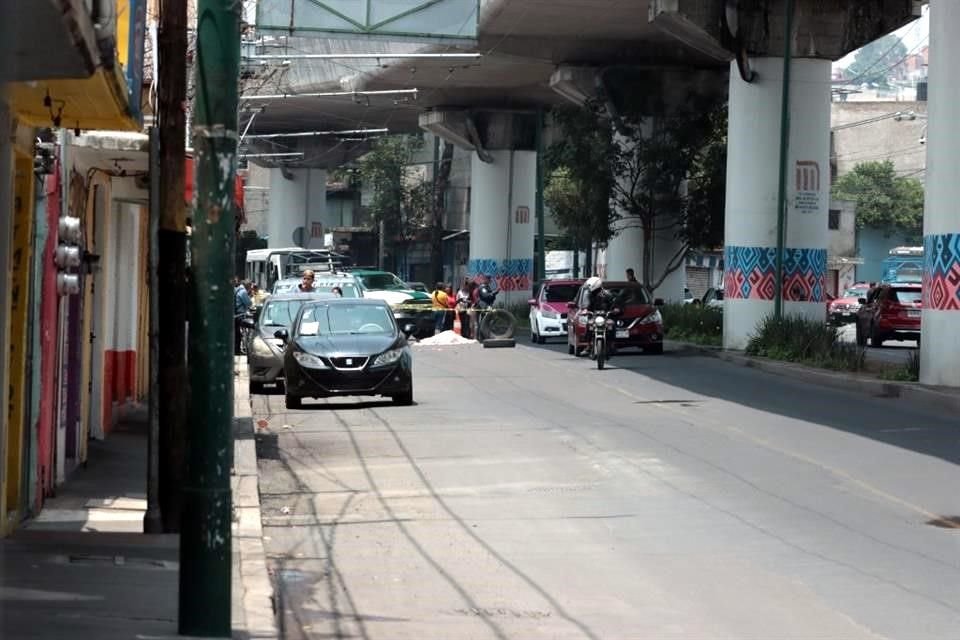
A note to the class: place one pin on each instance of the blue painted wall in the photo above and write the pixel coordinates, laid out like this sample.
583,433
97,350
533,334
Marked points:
874,246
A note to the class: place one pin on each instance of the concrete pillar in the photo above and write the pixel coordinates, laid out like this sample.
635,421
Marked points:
940,340
298,206
502,221
753,159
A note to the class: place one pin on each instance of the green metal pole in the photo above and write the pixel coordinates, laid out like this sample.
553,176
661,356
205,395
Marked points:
540,270
784,148
205,545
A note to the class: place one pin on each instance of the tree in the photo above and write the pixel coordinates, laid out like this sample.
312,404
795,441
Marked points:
402,200
884,200
579,175
671,178
873,63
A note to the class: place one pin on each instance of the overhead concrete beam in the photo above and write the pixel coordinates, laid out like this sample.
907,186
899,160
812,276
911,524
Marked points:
577,84
318,153
696,23
482,129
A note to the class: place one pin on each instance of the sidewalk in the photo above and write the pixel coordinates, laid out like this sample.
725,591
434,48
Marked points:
82,569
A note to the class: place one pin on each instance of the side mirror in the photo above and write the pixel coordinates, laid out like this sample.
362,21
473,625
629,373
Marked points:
861,301
658,302
532,302
249,323
409,329
281,334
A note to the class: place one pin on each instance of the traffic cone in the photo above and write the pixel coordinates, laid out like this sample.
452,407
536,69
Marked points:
456,323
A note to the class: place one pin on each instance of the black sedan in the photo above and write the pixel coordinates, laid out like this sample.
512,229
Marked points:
346,347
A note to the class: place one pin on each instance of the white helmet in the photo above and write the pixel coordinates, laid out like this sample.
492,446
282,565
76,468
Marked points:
594,283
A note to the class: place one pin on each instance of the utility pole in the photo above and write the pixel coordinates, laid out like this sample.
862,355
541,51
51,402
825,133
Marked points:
172,261
205,536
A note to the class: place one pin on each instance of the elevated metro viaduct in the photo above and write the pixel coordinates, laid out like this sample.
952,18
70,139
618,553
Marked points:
538,53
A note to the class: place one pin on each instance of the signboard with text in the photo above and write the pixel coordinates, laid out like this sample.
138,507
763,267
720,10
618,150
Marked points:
450,21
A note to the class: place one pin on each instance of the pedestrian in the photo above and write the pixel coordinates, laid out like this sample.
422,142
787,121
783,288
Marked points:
631,276
306,283
337,291
241,306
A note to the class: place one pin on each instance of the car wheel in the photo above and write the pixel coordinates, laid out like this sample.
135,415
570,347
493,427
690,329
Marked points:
293,402
403,399
654,349
256,387
541,339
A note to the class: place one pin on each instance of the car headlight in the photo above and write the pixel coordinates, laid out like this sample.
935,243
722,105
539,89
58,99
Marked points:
387,357
550,314
309,360
600,321
653,318
259,347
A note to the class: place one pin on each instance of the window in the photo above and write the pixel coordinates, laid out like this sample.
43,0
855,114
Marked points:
834,220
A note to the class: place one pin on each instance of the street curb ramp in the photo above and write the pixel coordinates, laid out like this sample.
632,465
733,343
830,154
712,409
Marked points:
253,602
911,392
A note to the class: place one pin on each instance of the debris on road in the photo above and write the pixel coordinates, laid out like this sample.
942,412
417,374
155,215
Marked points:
446,338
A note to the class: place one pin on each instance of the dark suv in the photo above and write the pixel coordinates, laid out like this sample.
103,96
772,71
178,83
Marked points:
890,312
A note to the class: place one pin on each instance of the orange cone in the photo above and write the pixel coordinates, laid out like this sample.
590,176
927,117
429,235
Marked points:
456,323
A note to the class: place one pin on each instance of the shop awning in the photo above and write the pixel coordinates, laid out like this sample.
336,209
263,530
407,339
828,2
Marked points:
96,103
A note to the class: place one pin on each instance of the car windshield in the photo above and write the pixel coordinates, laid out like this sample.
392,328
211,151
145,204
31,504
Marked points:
348,289
279,313
380,281
630,294
285,286
562,292
855,293
346,319
906,296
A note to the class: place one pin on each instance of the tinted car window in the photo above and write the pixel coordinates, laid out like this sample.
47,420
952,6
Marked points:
346,319
561,292
630,295
380,281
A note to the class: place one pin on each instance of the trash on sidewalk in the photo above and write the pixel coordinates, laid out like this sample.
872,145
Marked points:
446,338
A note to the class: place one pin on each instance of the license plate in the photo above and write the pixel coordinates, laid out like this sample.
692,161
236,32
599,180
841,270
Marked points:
913,313
623,333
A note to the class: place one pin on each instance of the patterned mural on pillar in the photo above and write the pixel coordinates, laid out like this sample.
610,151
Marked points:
750,273
510,275
941,273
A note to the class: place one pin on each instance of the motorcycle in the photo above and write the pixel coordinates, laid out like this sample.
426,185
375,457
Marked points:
602,327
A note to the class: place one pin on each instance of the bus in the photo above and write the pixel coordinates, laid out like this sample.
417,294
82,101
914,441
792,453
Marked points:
903,264
265,266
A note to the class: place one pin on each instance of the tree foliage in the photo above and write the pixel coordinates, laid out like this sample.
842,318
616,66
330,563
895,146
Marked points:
884,200
671,179
579,175
873,63
401,200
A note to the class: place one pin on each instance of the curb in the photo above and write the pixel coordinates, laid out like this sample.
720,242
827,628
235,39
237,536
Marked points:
911,392
253,610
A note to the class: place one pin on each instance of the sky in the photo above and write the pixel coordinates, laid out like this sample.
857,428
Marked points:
913,35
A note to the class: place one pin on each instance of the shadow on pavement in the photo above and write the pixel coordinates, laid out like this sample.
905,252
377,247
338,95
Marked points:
886,420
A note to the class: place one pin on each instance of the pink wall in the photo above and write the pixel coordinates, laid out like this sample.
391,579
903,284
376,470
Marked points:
48,345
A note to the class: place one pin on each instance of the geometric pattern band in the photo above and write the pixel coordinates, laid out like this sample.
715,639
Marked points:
941,272
510,275
750,273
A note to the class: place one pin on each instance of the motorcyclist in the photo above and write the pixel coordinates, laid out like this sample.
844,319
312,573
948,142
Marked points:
598,300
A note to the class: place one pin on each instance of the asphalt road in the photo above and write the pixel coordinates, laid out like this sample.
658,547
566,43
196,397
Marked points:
528,495
893,352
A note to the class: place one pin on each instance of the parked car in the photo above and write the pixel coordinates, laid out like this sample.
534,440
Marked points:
548,308
890,312
640,324
417,286
408,306
346,347
264,351
844,308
